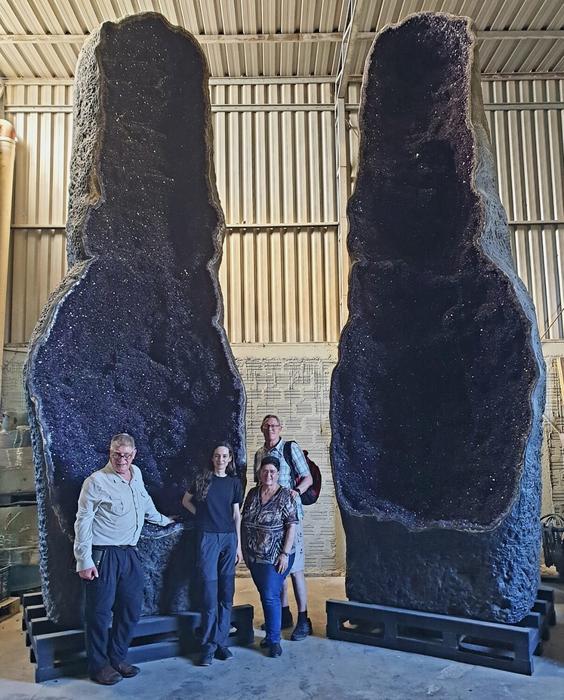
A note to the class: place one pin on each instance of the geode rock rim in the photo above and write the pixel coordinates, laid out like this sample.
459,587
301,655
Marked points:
83,181
477,127
191,252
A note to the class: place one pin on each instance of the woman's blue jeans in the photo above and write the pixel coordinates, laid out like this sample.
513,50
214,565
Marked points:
269,584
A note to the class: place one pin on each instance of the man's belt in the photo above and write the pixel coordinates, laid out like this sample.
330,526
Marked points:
114,546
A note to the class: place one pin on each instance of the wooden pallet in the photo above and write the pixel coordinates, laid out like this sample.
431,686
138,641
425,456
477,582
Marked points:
496,645
59,651
8,608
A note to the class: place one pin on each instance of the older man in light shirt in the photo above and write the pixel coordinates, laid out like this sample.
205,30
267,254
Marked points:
112,508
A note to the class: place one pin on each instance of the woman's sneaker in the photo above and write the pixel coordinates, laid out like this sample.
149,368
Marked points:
223,653
206,658
275,650
302,630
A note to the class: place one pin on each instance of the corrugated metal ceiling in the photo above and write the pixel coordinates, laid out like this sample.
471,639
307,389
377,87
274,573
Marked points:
251,38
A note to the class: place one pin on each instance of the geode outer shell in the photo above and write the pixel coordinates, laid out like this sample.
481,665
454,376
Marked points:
132,340
437,398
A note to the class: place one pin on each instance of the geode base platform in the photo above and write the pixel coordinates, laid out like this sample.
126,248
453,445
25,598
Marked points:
132,340
438,394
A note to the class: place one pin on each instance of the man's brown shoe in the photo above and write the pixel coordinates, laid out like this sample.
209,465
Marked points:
106,676
127,670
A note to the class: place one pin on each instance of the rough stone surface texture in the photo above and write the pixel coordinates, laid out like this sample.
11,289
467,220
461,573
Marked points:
437,398
132,340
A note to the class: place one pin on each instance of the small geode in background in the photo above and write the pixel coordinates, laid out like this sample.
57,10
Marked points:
437,398
132,340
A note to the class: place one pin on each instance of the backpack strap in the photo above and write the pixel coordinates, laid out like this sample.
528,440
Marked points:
289,459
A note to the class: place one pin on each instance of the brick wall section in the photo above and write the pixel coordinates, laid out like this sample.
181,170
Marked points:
297,390
553,449
12,398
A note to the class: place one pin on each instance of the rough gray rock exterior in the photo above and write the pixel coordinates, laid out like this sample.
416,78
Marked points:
437,398
132,340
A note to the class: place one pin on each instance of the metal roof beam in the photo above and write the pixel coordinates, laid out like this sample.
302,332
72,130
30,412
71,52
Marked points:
349,37
498,77
245,80
334,37
509,34
521,34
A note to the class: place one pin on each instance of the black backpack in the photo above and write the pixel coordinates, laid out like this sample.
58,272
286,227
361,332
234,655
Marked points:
310,496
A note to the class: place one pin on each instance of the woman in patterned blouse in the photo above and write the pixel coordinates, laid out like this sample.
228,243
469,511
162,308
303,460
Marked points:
267,531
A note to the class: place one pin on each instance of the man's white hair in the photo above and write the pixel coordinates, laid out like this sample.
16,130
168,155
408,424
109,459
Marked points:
122,439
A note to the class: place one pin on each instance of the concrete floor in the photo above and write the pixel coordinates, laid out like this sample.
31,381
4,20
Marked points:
314,668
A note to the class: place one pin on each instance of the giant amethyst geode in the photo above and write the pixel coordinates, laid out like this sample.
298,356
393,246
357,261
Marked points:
437,398
132,340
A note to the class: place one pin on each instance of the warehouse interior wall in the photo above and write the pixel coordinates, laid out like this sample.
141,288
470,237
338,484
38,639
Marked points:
285,266
284,261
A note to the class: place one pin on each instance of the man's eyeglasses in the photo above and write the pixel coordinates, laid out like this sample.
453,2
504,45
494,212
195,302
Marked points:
121,455
270,426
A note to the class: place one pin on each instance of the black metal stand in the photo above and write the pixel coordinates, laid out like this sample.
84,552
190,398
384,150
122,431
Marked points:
60,652
496,645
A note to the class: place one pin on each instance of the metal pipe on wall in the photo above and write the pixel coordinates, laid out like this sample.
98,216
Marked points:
7,160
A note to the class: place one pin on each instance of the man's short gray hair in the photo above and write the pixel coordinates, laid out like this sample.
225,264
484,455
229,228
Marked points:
124,439
268,416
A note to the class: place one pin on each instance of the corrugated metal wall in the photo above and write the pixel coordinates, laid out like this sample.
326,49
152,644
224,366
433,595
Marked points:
38,265
275,164
280,285
274,150
274,153
526,120
42,117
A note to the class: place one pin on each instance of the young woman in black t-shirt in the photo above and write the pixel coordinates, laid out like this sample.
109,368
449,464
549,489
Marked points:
214,500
